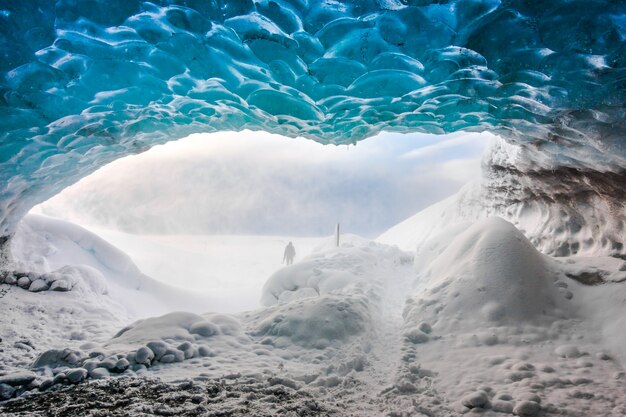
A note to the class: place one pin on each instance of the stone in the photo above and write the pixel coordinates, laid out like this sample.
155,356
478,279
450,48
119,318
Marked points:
121,365
475,399
17,379
99,373
38,285
144,356
23,282
45,384
502,406
76,375
169,358
526,409
60,285
6,392
158,348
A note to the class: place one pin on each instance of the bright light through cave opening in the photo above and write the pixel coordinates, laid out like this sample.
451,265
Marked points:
213,213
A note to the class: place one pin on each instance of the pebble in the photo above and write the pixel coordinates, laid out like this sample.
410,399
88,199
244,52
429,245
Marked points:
169,358
99,373
502,406
475,399
38,285
530,397
121,365
567,351
77,375
144,356
60,285
45,384
23,282
526,409
158,348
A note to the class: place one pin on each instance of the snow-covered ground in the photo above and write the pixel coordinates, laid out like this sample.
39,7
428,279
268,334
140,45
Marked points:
229,270
476,320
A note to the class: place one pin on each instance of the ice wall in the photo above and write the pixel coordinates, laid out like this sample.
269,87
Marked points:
84,82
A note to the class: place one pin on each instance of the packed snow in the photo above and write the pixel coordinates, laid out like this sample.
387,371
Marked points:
483,322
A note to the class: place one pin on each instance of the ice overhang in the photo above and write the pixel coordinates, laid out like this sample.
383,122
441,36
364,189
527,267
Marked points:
87,81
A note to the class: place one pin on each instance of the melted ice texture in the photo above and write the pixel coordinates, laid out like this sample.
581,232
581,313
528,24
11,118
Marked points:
86,82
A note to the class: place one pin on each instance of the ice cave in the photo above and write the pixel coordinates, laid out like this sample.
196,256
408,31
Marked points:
507,298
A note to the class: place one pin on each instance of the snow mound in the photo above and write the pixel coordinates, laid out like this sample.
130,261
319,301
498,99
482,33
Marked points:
329,296
317,322
332,270
176,327
62,252
489,274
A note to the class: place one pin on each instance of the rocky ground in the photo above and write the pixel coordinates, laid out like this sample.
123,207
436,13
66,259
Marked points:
243,396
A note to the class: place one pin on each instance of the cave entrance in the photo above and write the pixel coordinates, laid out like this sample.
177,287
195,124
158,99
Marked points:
212,213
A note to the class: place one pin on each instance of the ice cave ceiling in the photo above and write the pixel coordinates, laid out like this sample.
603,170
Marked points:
88,81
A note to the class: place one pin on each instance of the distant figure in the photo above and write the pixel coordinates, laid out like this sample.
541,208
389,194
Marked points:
290,253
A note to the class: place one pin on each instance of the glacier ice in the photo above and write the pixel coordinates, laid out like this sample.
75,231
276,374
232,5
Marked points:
86,82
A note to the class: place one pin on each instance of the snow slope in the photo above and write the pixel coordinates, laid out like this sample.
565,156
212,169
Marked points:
229,270
485,322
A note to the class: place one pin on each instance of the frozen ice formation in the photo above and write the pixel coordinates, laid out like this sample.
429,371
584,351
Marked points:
85,82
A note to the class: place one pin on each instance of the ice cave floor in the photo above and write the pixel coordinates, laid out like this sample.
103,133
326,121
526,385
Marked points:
481,323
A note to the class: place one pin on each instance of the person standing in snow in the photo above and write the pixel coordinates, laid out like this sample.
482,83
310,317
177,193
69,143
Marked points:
290,253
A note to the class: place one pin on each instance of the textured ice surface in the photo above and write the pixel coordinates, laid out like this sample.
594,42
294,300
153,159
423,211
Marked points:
85,82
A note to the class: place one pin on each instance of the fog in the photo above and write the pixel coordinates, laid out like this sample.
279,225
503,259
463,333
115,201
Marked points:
257,183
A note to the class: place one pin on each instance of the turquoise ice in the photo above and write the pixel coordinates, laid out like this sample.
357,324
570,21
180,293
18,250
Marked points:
84,82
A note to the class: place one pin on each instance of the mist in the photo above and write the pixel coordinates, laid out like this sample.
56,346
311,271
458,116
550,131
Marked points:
256,183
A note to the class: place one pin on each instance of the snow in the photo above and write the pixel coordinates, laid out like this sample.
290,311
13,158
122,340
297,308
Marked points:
228,270
481,320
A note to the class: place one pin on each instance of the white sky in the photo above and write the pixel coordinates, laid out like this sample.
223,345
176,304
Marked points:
259,183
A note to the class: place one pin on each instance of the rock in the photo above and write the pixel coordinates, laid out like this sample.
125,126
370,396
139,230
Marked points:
169,358
23,282
530,397
59,378
204,351
158,348
45,384
76,375
60,285
72,358
144,356
109,363
204,328
425,327
416,336
603,356
18,379
121,365
188,349
38,285
96,355
475,399
91,364
502,406
10,279
99,373
567,351
6,392
179,356
131,357
526,409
